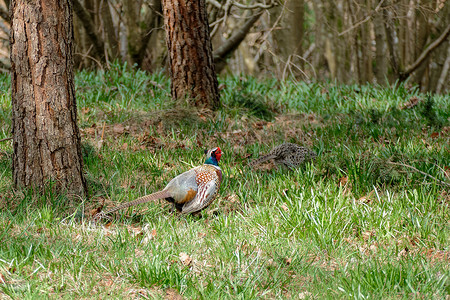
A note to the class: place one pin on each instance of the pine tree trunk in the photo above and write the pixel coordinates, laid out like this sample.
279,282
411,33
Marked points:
190,53
46,137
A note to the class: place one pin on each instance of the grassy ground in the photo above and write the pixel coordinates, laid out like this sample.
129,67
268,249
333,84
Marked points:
355,224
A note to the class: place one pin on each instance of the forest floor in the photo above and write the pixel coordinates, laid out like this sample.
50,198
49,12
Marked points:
369,219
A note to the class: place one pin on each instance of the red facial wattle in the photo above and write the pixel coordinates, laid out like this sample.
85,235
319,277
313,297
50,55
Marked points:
218,153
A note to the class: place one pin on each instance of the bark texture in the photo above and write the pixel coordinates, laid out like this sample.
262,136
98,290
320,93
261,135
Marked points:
190,53
46,137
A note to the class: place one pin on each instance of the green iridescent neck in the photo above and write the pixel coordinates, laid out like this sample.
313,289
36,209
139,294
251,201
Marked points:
211,161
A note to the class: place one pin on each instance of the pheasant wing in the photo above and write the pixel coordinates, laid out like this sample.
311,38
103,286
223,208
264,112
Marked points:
205,195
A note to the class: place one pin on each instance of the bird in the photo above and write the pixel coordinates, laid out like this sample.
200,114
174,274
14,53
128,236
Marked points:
287,154
189,192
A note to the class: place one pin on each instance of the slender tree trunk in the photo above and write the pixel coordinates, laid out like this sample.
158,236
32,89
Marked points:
289,37
133,33
44,116
190,53
380,69
110,35
318,56
367,45
392,40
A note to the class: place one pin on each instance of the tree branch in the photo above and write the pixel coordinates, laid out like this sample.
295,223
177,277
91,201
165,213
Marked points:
441,81
86,20
257,5
425,54
234,41
243,6
150,24
421,172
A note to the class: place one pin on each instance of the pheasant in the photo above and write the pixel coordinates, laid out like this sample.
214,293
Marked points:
287,154
190,191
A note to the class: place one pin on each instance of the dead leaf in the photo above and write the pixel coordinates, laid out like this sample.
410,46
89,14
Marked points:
434,135
201,235
247,155
2,279
124,146
343,181
108,282
403,253
85,110
233,198
185,259
447,171
138,293
271,263
136,231
413,101
95,211
118,129
367,235
139,252
108,225
288,261
284,207
149,235
99,144
304,295
222,86
173,294
89,131
366,198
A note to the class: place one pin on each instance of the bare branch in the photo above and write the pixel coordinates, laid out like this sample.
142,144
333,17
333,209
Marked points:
214,3
86,20
235,40
256,5
375,11
243,6
6,139
425,54
444,72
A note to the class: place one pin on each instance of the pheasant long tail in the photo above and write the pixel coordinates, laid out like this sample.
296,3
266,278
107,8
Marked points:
261,160
144,199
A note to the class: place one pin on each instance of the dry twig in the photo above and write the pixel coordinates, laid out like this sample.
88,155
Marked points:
421,172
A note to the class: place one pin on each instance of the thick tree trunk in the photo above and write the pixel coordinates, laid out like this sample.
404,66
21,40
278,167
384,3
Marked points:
46,137
190,55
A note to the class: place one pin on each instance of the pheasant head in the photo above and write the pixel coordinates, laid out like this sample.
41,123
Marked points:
213,156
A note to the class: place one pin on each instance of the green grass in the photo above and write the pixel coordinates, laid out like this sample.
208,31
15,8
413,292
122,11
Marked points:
350,226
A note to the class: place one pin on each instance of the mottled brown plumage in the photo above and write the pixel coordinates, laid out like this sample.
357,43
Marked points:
287,154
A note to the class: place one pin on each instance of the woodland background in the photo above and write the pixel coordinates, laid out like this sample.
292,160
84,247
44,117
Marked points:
360,41
368,219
